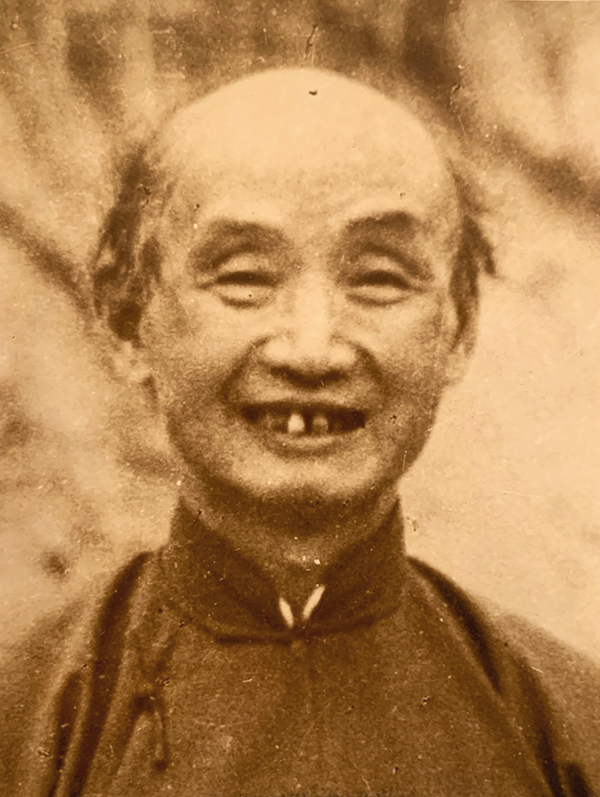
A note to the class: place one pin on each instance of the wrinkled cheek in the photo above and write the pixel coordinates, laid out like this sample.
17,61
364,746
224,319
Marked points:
414,364
189,381
410,420
190,353
413,400
414,376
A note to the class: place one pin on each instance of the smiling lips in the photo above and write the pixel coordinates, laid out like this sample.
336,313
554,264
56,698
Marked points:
304,421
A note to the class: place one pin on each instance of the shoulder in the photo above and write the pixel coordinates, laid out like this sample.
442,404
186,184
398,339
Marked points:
570,686
62,638
551,689
42,673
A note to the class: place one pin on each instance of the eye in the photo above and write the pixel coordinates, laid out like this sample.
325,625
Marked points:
244,279
377,278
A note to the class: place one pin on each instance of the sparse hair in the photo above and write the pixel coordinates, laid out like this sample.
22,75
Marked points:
127,262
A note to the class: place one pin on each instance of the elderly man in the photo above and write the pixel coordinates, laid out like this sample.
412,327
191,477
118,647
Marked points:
292,268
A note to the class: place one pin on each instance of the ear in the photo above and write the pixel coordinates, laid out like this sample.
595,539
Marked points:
130,363
465,335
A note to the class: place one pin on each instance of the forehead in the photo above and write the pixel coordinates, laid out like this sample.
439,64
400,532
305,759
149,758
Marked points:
303,146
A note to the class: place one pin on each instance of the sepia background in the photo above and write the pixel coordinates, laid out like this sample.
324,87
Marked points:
506,498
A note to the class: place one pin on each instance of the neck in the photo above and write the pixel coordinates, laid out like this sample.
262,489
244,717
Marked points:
293,541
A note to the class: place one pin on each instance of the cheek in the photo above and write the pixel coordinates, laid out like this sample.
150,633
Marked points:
192,349
412,348
413,355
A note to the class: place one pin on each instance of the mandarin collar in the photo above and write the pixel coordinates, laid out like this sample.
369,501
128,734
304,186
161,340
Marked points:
214,586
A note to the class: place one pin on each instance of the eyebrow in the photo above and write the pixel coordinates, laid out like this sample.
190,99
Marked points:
389,220
393,221
232,231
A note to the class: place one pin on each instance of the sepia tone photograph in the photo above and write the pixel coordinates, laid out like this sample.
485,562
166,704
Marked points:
300,398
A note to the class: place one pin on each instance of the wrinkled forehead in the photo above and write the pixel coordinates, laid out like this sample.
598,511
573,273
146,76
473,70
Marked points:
309,139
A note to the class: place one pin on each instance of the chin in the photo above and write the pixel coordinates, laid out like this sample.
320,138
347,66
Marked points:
306,487
337,477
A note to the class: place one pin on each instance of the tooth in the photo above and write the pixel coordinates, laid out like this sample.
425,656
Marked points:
274,421
320,423
296,424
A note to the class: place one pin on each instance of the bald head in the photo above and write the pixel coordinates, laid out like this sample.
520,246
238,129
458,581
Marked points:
301,119
290,147
306,132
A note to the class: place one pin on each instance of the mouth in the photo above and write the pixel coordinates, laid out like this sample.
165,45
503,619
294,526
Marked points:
302,422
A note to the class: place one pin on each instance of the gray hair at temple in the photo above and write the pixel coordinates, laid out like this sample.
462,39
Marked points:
127,261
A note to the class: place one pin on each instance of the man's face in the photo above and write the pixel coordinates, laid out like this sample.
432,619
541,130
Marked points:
303,329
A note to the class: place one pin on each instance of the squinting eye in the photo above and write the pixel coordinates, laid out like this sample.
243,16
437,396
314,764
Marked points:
383,285
243,280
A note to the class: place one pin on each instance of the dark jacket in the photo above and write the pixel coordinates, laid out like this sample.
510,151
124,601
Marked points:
183,679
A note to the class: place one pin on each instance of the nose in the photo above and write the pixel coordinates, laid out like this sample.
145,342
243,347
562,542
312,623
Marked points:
308,344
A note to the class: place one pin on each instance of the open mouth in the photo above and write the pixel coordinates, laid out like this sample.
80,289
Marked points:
305,421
